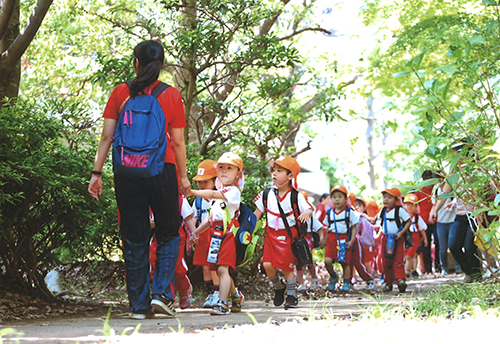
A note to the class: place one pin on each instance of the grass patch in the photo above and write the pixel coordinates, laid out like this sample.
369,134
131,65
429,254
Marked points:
457,300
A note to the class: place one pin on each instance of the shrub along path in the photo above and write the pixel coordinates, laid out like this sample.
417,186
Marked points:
86,325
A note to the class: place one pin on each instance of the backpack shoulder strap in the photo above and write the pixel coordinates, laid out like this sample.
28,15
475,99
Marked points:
197,204
416,220
159,89
382,215
265,195
294,198
396,216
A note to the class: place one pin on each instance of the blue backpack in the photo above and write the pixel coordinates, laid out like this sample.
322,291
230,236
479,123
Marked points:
244,237
140,143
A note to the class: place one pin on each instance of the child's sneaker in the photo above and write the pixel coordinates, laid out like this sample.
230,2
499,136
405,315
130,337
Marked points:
236,301
402,286
314,284
221,308
346,286
302,287
279,296
370,285
387,287
291,302
185,298
333,284
209,301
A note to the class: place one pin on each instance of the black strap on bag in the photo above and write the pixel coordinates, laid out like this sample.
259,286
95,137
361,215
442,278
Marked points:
299,245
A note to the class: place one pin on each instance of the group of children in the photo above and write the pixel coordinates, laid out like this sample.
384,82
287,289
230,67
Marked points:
354,233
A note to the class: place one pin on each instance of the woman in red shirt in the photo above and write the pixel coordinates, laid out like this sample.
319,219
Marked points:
160,193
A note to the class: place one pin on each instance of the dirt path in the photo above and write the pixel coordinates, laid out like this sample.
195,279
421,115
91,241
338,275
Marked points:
90,328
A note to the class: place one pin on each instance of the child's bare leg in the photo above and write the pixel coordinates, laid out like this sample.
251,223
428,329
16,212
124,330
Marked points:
300,275
329,266
215,278
226,286
312,271
273,275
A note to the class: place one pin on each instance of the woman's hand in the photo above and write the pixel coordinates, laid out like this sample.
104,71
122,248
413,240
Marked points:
95,186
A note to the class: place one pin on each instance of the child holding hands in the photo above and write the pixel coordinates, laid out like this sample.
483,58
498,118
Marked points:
418,234
222,251
277,242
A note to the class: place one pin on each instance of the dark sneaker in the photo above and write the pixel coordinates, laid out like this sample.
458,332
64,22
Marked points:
221,308
402,286
237,301
291,302
279,296
387,287
162,304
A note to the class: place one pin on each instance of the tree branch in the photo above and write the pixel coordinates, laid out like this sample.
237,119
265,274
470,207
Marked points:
295,33
7,9
10,57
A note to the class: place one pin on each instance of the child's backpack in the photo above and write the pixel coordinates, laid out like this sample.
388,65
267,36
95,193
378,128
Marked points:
383,212
347,220
198,202
294,200
244,237
140,144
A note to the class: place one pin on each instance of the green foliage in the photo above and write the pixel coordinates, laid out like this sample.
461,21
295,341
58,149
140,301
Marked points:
457,300
46,213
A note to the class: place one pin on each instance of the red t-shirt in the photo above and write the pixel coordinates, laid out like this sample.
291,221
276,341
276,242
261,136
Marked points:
170,101
426,202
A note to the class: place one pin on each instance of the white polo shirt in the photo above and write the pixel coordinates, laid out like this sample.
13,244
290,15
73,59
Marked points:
273,214
340,219
232,202
420,226
392,227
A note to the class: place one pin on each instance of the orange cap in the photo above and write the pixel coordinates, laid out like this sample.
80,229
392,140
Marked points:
231,159
361,200
206,170
290,164
372,208
340,188
411,198
393,192
352,197
306,195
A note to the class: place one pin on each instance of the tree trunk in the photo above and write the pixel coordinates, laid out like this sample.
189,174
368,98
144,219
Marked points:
370,130
10,76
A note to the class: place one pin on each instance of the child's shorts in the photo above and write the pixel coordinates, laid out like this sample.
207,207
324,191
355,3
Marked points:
201,249
227,253
278,249
416,241
331,250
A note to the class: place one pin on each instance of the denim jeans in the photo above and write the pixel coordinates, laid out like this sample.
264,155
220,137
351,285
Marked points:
135,197
431,233
462,245
443,232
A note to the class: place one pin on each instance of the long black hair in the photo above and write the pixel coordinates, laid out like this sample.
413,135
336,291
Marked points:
151,56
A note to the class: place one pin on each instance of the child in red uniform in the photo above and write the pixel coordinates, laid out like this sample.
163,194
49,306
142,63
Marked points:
418,234
394,269
277,250
205,180
222,251
340,239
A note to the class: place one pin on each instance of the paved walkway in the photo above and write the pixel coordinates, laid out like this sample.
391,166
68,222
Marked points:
343,306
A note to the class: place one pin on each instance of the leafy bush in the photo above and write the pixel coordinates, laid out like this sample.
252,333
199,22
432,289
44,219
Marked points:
46,213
